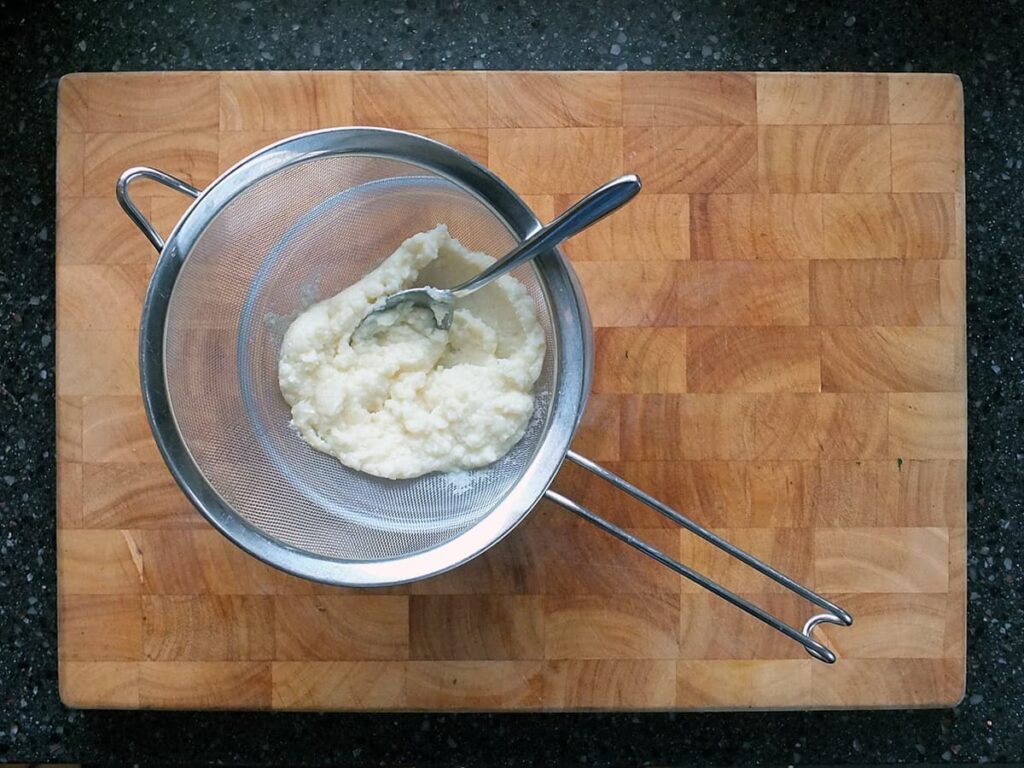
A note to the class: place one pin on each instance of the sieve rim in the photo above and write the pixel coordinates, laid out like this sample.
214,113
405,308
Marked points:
570,323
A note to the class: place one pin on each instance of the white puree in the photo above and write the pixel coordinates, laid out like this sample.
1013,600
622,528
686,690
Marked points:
412,399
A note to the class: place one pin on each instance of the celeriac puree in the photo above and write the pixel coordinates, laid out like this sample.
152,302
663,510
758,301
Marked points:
410,398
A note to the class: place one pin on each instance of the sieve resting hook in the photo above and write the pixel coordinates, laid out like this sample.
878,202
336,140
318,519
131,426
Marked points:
129,207
832,614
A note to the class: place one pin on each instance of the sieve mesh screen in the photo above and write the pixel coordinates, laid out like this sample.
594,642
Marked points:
297,236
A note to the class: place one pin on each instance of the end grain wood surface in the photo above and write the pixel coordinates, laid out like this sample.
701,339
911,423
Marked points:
780,354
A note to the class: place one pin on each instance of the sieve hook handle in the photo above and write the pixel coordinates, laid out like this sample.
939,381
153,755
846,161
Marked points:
832,614
144,172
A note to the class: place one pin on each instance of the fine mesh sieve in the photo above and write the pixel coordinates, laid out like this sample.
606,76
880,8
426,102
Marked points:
298,222
292,224
315,240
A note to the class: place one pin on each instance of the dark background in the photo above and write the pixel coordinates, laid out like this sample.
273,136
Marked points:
981,42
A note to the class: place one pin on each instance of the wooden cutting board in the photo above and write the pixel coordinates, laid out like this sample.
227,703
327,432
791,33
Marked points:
780,354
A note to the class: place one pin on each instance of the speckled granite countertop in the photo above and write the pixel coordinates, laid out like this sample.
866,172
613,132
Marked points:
982,45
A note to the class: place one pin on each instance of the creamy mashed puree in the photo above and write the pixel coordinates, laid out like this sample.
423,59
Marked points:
411,399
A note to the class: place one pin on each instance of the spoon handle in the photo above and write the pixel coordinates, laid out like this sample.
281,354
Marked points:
587,211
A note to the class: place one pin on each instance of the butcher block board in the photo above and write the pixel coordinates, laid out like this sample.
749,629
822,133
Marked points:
780,354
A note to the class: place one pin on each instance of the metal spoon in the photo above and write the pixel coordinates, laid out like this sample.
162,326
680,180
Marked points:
441,301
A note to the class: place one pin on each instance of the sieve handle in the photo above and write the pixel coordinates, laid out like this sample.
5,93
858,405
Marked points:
143,172
833,614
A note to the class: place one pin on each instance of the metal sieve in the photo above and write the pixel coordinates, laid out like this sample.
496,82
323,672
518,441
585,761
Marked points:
297,222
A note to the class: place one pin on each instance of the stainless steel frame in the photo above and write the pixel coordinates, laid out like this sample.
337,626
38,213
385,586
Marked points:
574,366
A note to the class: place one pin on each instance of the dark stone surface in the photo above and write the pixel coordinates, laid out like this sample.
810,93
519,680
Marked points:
42,41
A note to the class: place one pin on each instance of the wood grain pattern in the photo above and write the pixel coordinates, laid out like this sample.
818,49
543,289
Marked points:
571,160
849,494
894,626
69,427
955,645
922,681
693,427
474,142
743,293
772,426
587,561
710,630
931,492
889,559
97,562
293,101
886,293
794,426
457,627
591,627
166,211
461,685
321,684
69,495
511,567
892,359
70,164
630,294
753,360
925,99
619,683
73,107
851,426
341,627
688,98
115,684
114,429
927,158
553,99
136,101
97,627
820,99
90,231
97,363
201,562
234,145
427,100
599,430
132,496
903,226
208,627
693,159
632,359
778,495
927,425
102,297
205,684
768,544
825,158
192,154
740,684
648,229
740,227
715,492
779,355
